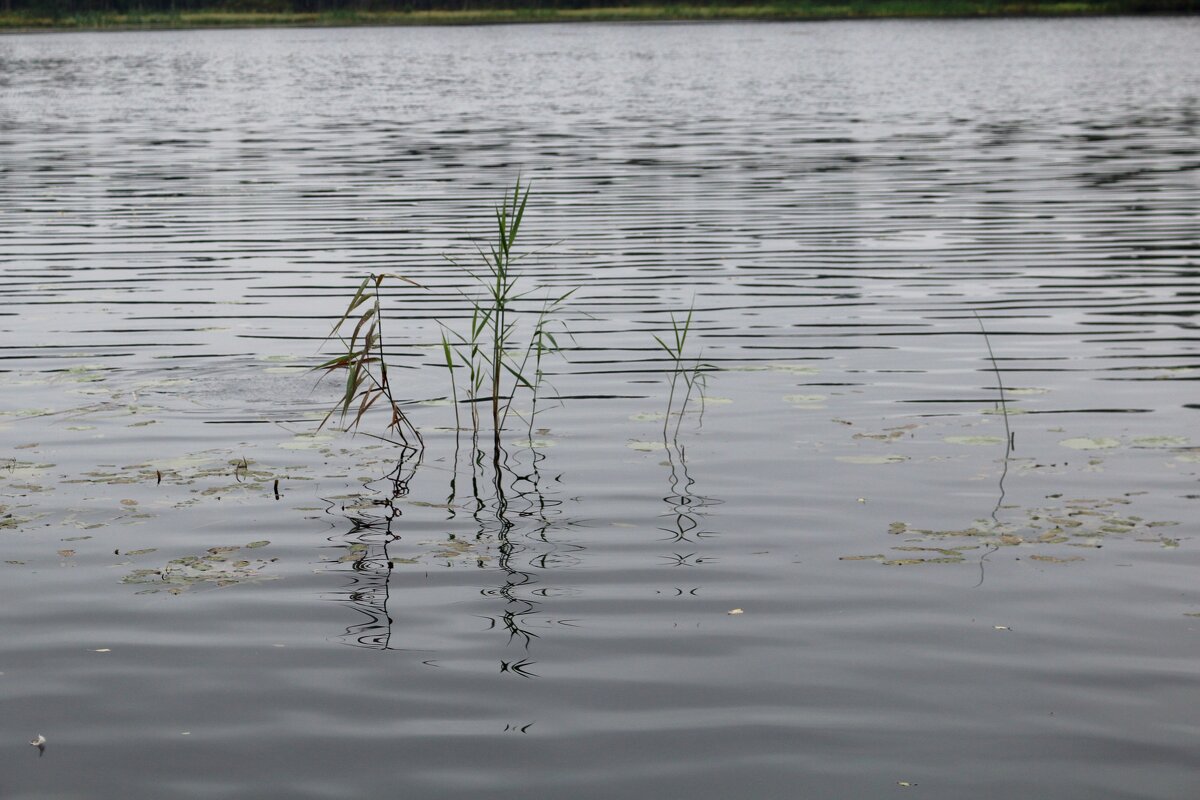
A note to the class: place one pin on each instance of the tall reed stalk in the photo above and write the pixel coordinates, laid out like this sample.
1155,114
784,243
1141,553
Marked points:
365,364
491,350
690,371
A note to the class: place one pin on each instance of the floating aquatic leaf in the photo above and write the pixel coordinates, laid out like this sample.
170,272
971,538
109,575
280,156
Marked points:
142,552
872,557
1084,443
1160,441
308,441
645,447
1056,559
946,551
806,401
888,459
974,440
180,574
261,543
793,369
889,436
647,417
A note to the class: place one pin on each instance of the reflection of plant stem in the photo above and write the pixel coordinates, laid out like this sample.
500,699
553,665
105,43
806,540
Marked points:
371,587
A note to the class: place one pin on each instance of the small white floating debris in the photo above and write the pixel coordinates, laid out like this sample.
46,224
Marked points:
185,733
103,650
905,784
734,612
862,499
38,741
1001,627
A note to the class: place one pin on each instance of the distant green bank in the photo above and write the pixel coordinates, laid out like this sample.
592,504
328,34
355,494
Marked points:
32,15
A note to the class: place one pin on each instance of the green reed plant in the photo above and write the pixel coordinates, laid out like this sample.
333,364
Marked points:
496,359
364,363
692,371
491,351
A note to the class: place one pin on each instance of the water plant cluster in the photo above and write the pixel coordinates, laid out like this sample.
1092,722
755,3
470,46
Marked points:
489,363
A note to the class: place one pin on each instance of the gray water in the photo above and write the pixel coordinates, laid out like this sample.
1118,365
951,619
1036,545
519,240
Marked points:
846,206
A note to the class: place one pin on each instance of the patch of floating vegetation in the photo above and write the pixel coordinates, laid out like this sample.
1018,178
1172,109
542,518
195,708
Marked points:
1160,442
309,441
85,373
457,550
978,441
1089,443
534,444
645,447
888,434
1082,523
879,459
793,369
812,402
217,567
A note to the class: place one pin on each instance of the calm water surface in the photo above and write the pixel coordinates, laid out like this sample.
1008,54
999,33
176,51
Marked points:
183,215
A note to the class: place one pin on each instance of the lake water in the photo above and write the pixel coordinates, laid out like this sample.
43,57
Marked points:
201,595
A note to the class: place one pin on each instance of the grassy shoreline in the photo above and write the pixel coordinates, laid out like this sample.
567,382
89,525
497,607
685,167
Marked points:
28,22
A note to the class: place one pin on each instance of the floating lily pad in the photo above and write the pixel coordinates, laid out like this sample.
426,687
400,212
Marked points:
308,441
888,459
974,440
1160,441
1085,443
793,369
645,447
807,401
535,444
213,568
